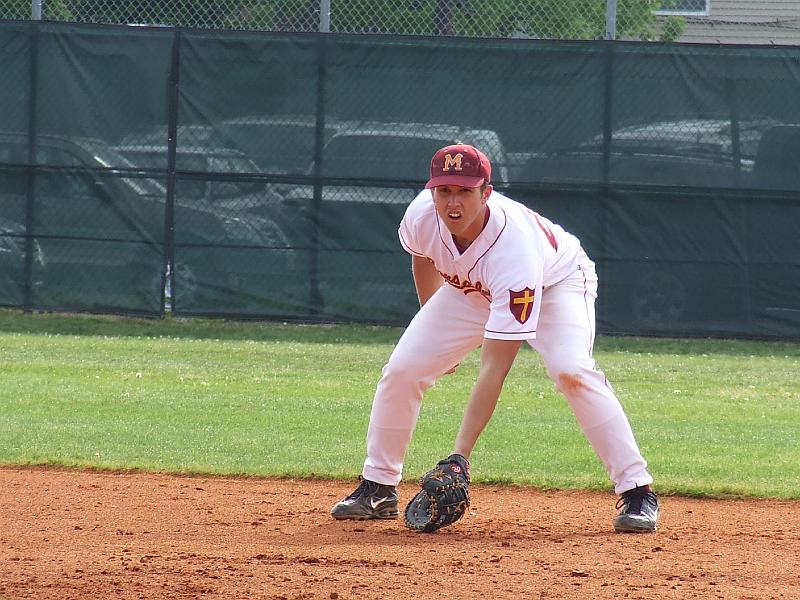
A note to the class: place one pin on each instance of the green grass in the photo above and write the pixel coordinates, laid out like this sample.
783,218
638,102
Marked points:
713,417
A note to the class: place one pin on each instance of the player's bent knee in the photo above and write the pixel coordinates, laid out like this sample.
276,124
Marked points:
421,367
403,374
564,365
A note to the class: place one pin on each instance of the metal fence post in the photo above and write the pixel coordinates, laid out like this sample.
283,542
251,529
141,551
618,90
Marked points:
315,300
611,20
608,129
172,302
31,168
325,16
36,10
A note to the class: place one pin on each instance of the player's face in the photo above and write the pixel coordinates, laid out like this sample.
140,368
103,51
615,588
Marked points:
462,210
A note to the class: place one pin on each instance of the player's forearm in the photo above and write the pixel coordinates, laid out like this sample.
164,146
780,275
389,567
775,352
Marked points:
426,278
477,415
497,356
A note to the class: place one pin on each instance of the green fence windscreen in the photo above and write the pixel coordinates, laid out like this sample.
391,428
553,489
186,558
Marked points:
264,174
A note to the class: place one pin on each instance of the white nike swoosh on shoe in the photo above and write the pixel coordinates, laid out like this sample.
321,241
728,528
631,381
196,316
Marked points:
376,502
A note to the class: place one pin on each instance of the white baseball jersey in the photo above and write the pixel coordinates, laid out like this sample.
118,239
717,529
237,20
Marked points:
523,273
516,256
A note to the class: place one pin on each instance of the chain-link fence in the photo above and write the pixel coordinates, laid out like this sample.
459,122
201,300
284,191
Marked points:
765,22
670,20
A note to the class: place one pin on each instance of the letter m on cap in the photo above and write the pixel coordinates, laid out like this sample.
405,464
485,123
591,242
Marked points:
450,161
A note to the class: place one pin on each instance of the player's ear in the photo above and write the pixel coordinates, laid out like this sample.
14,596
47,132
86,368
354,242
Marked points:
487,192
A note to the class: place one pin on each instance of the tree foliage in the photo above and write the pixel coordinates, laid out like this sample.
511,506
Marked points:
54,10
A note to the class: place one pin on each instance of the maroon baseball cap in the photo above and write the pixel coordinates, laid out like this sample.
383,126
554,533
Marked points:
459,164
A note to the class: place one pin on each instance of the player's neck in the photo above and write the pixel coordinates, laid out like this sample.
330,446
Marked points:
462,244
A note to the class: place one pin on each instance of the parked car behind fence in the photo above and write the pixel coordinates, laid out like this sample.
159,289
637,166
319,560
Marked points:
100,220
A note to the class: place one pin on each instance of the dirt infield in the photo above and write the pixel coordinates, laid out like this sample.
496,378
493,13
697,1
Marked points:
79,535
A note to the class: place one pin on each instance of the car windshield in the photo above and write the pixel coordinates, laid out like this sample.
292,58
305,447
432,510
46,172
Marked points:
103,156
230,164
146,186
108,158
188,136
691,137
281,147
381,157
274,138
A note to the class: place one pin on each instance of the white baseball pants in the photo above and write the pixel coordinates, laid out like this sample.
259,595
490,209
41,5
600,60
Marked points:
451,325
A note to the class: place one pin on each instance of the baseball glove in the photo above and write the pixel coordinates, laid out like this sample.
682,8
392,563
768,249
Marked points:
444,497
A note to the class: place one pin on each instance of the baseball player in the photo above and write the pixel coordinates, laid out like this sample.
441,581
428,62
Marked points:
490,272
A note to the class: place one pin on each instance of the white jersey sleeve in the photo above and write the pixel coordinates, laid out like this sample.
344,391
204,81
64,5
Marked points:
415,217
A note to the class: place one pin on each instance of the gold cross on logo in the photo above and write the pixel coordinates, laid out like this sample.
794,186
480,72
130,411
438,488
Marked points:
526,299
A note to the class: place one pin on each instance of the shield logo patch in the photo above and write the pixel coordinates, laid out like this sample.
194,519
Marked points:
521,303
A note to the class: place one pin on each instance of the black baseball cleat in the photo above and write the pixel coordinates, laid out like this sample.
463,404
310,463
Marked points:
370,500
640,508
